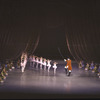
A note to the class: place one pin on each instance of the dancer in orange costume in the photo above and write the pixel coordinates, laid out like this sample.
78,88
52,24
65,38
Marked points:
68,67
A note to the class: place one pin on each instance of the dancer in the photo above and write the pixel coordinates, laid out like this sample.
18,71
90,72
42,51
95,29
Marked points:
80,64
22,56
4,70
31,60
44,64
87,66
48,64
95,69
8,66
98,71
41,62
22,65
92,65
23,62
1,77
37,59
37,62
55,67
18,64
12,65
68,67
1,80
2,74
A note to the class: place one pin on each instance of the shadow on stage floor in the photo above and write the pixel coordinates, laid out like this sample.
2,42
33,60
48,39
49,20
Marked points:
45,96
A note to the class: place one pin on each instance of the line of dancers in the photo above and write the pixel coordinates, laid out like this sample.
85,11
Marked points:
43,62
95,68
4,69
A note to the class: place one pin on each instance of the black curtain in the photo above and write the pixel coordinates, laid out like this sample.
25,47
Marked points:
83,31
19,28
23,23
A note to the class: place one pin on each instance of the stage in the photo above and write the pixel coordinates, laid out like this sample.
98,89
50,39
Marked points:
35,83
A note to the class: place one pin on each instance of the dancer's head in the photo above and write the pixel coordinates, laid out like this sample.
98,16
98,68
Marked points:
68,58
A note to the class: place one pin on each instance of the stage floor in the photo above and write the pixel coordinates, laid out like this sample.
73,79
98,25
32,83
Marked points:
39,84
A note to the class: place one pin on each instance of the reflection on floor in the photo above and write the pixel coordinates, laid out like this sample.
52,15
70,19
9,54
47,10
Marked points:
36,83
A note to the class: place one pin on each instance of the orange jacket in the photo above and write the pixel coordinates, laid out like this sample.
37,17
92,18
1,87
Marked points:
69,64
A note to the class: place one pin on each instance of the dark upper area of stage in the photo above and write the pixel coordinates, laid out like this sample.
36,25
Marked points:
54,29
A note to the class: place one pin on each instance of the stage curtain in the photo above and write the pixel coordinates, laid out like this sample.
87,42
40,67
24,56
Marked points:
19,29
83,31
23,23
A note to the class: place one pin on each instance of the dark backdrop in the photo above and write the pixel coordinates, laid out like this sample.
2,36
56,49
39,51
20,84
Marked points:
54,29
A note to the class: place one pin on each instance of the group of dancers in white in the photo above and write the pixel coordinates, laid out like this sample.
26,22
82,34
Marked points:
44,63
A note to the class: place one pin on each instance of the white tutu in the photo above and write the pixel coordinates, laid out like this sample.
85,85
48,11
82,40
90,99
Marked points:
86,69
55,66
13,67
49,65
2,81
